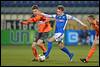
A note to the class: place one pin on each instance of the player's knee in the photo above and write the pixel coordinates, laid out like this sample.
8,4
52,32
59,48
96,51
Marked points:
39,42
97,41
33,44
49,40
94,42
61,45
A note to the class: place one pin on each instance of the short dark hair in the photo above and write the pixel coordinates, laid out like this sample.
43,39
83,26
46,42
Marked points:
91,16
35,7
60,7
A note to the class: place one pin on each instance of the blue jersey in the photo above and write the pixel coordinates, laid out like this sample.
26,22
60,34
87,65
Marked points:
61,22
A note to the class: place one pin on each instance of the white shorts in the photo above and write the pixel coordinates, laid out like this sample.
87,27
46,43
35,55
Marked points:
59,36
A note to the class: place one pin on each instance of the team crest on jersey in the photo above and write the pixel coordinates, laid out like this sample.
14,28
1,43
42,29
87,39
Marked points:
60,17
58,20
63,17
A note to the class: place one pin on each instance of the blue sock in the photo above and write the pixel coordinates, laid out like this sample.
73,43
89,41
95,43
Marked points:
49,49
64,49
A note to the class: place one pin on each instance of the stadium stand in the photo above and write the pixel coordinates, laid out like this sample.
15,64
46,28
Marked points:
23,7
49,3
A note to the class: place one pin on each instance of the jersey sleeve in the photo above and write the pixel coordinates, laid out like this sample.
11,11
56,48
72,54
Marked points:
74,18
47,15
70,17
35,19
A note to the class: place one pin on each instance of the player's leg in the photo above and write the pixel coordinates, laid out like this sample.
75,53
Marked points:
65,50
59,38
34,51
41,44
91,52
50,40
43,39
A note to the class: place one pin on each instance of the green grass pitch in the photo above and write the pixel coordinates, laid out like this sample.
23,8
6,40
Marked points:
22,56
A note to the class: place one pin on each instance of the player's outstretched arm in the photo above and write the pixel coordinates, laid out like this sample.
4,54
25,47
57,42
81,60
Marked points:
74,18
47,15
27,21
31,20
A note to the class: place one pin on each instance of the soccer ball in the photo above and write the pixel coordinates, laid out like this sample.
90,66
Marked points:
41,58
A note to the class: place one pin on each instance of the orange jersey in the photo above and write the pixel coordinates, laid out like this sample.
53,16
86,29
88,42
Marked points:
95,25
43,23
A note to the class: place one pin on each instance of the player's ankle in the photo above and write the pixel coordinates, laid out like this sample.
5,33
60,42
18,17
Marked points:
87,59
37,58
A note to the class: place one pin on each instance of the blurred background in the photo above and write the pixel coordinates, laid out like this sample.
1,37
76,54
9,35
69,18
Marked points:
13,12
16,39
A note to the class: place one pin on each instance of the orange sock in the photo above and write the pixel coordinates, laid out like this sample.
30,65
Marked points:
42,47
34,51
91,52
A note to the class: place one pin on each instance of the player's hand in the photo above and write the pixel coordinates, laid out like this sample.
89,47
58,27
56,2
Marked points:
85,27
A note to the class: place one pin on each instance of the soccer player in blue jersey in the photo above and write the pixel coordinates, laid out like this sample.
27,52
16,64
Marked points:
61,22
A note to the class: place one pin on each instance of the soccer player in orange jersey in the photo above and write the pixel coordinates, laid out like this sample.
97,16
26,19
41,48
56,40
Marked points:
95,24
43,30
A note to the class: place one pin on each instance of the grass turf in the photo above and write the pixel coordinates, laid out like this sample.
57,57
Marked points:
22,56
